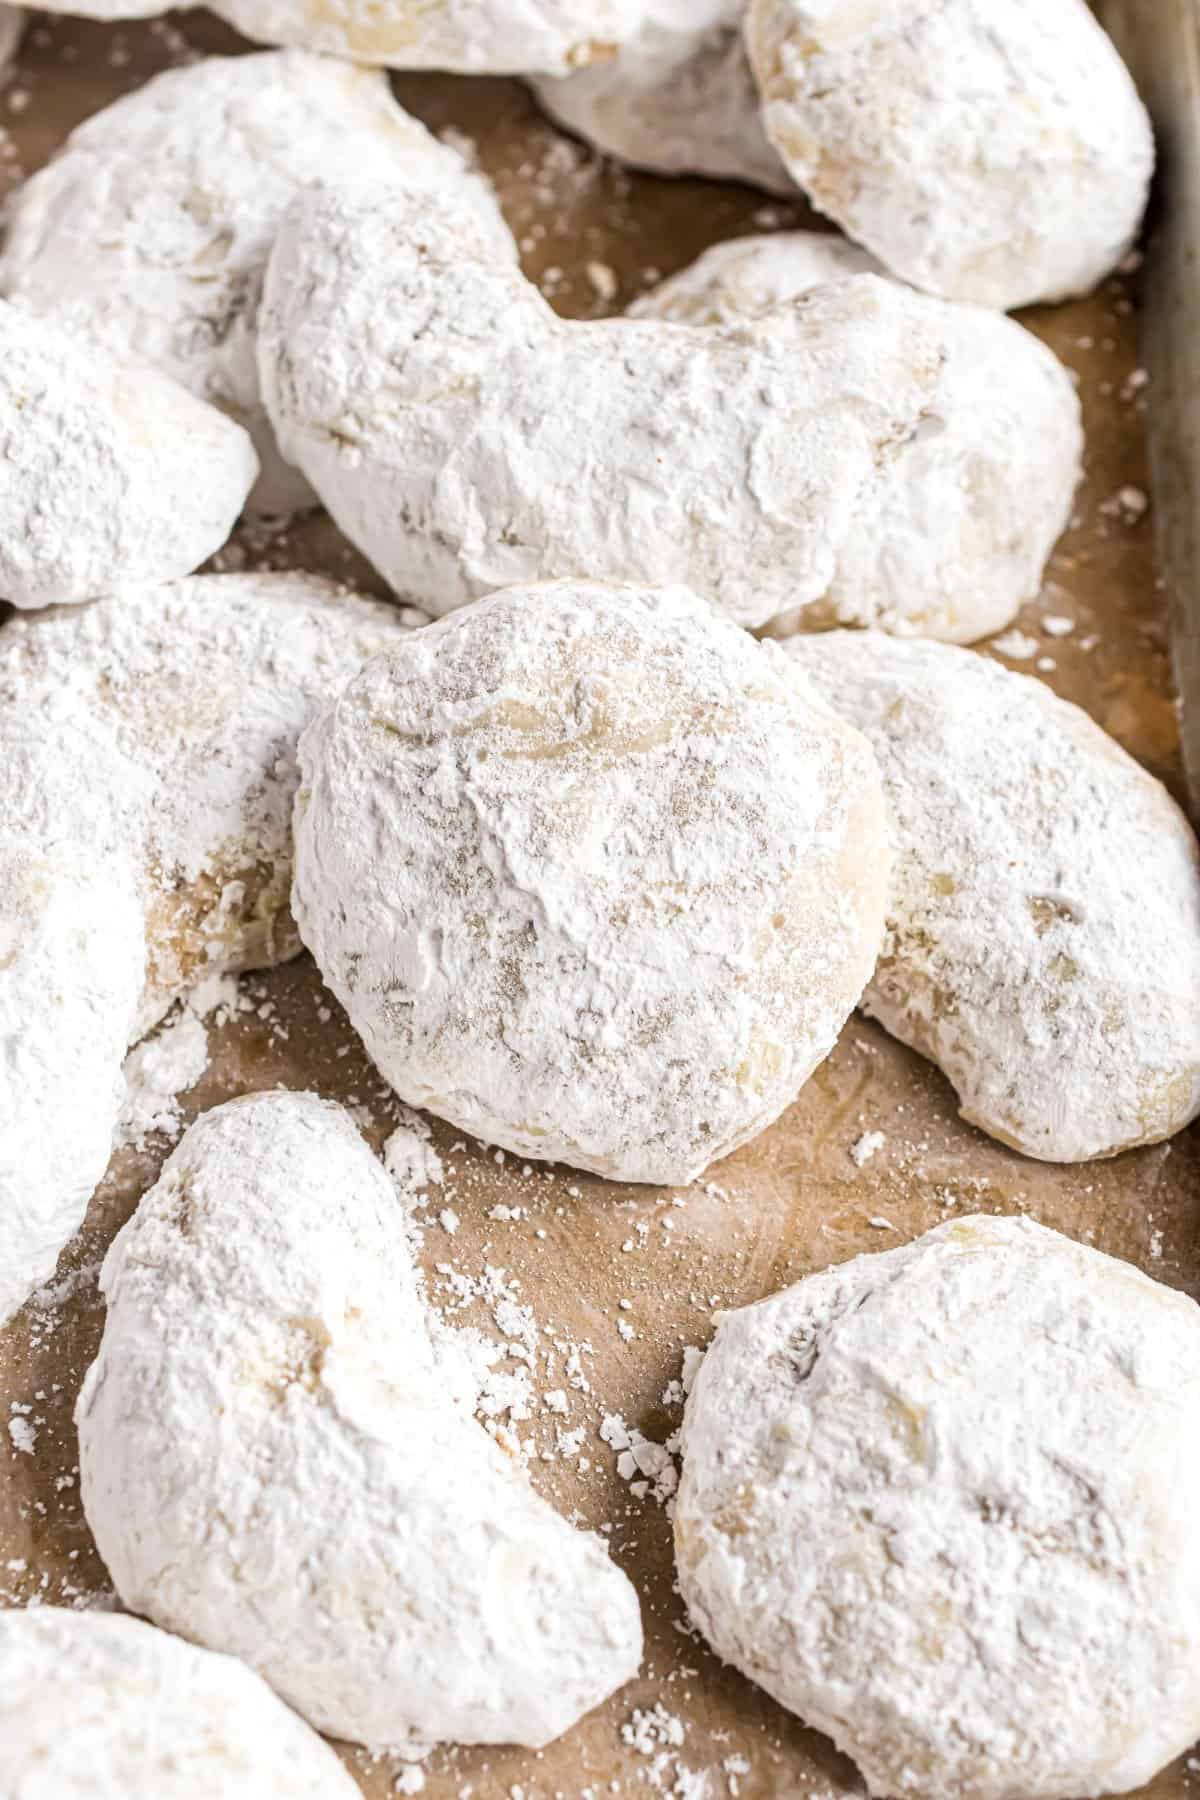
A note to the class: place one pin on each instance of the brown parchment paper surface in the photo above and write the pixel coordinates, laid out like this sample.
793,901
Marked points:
794,1201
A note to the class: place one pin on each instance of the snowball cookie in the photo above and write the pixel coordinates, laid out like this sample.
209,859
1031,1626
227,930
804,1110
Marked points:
310,1497
150,230
109,473
593,873
96,1706
964,514
998,154
148,744
502,37
466,438
1043,940
941,1503
679,99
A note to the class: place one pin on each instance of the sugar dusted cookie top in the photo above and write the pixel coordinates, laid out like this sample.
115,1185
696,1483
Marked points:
595,876
994,153
941,1503
98,1706
109,472
149,231
1043,942
311,1497
466,438
678,98
149,744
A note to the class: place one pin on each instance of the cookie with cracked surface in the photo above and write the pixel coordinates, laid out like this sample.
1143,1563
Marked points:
1043,939
109,472
963,517
149,231
310,1497
940,1503
149,746
596,877
151,1718
993,154
466,438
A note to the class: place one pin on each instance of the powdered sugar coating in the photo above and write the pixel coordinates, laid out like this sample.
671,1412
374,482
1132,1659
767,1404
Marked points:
150,229
594,875
679,98
745,276
465,438
150,1718
109,473
1043,943
471,37
170,860
940,1502
955,537
998,155
310,1497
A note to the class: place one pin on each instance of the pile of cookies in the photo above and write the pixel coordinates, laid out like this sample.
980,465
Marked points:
669,754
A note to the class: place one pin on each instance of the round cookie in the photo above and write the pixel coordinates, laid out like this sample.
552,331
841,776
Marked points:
964,513
309,1495
1043,940
148,744
941,1503
150,229
679,98
109,472
593,873
97,1706
984,153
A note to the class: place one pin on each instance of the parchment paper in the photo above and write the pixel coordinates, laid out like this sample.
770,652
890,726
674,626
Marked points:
790,1203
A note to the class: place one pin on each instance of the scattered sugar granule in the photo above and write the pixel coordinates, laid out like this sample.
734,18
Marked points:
1057,625
649,1731
21,1432
1018,646
410,1781
156,1073
603,280
865,1147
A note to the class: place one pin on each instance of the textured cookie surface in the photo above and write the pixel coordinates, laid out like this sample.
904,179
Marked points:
994,154
1043,942
465,438
595,876
109,472
309,1496
956,534
149,231
472,37
150,1718
679,98
149,746
940,1503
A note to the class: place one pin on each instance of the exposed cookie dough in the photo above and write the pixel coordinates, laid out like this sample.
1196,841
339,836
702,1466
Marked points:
97,1706
109,472
941,1503
1043,942
149,231
595,875
465,438
148,744
679,98
956,535
994,154
309,1495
